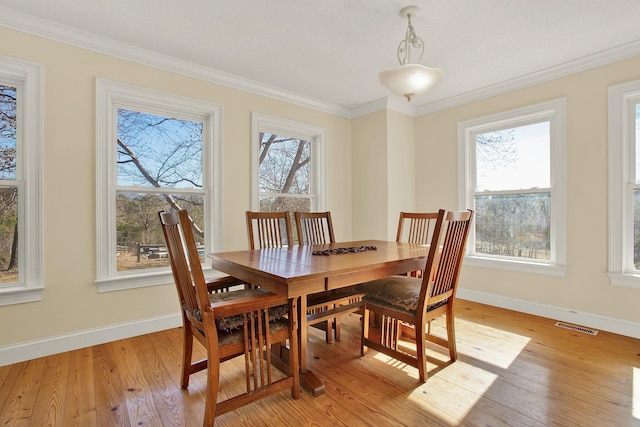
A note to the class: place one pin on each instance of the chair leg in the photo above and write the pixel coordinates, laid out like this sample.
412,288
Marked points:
365,330
421,351
336,327
213,382
451,336
187,352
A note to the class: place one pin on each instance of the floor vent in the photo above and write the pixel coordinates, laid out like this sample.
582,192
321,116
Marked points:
577,328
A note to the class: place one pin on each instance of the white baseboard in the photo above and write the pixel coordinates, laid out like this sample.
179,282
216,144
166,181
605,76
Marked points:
591,320
57,344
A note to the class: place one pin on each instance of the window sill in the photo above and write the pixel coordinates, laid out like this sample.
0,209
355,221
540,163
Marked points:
19,295
546,269
628,280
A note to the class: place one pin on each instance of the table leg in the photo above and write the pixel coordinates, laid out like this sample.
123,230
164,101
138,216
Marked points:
308,379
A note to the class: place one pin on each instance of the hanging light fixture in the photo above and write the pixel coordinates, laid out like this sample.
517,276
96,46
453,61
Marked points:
410,79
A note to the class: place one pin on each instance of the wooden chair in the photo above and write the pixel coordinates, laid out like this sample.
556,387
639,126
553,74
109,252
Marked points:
416,228
417,301
269,229
228,324
316,228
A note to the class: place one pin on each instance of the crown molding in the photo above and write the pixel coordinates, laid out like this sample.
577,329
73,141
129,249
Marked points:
606,57
388,103
29,24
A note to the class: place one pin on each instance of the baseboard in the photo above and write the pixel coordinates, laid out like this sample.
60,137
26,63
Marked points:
57,344
591,320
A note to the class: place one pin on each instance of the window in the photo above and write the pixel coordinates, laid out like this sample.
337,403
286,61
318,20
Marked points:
155,152
512,167
624,184
288,165
21,276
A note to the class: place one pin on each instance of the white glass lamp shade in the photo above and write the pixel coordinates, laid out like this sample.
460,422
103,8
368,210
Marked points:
411,79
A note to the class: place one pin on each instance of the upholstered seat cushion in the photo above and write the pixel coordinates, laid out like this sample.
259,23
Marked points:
401,292
332,295
230,323
230,336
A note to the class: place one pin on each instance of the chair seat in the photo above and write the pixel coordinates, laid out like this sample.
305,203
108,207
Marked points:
232,324
401,292
332,295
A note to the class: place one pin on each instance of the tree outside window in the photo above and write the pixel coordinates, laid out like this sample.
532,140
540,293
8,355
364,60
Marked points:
8,186
288,160
159,167
512,192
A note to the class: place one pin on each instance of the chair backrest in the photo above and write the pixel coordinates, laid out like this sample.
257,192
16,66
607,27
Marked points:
416,227
446,253
185,261
314,228
269,229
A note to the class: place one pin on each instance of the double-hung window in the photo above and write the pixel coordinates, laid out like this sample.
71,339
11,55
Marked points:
288,163
512,174
624,184
21,272
156,151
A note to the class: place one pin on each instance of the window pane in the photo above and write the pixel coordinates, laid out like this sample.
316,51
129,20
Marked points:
140,242
637,145
514,225
636,229
514,159
284,164
7,132
8,234
281,204
158,151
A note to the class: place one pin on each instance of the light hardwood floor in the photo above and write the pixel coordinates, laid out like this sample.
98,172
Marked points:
513,370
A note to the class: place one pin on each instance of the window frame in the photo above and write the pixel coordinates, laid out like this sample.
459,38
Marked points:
621,173
555,112
28,79
111,96
263,123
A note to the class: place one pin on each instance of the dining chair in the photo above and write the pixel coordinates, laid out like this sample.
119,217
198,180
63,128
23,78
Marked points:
416,228
269,230
416,301
228,324
316,228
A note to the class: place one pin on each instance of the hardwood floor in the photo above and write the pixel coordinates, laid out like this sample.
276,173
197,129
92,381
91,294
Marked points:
513,370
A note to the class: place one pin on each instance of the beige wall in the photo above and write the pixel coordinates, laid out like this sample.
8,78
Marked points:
586,288
378,165
71,303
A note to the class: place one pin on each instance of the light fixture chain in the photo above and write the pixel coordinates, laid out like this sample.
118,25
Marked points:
410,40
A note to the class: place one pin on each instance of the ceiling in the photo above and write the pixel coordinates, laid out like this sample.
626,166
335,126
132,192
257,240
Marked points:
332,50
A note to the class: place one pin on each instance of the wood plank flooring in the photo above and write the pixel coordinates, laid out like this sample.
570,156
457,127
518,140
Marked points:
513,370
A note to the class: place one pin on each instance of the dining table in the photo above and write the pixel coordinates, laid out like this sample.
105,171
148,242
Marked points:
300,270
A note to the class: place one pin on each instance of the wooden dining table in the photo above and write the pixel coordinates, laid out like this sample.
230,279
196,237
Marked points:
297,272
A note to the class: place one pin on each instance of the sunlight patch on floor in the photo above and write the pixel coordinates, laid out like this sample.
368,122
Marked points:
450,401
497,347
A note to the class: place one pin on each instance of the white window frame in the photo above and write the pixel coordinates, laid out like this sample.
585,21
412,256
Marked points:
555,112
28,79
110,96
621,183
284,127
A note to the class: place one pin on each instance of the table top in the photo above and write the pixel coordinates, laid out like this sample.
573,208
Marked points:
297,271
